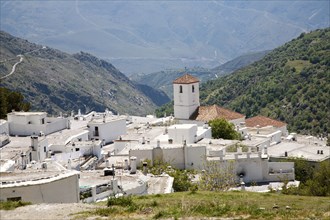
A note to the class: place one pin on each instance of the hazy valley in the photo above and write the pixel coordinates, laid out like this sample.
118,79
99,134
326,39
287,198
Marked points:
145,37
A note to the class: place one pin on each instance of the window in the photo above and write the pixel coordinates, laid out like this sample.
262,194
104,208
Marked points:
96,132
14,199
43,121
180,89
45,149
193,88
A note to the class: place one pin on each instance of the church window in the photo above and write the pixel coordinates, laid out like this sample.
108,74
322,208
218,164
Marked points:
180,89
193,88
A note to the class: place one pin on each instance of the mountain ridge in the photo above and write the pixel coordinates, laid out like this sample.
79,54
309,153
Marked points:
55,81
180,33
163,79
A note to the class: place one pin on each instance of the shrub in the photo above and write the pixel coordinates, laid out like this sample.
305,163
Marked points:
9,205
120,201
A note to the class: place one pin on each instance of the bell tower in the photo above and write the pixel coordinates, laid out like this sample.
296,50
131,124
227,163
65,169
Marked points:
186,96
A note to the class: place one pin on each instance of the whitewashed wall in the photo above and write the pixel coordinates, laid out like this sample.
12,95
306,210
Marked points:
65,190
179,133
30,129
4,127
108,131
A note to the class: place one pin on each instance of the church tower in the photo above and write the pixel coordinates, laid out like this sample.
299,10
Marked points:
186,96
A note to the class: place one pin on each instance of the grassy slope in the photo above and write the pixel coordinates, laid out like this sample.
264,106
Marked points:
217,204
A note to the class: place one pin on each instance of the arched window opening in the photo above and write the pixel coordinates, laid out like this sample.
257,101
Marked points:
193,88
180,89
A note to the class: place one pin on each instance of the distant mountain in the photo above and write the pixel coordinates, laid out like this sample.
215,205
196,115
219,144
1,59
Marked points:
163,79
238,63
157,96
291,83
55,81
150,36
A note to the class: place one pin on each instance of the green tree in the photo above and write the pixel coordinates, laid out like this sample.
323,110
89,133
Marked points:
221,128
181,181
217,176
166,109
319,185
303,170
10,100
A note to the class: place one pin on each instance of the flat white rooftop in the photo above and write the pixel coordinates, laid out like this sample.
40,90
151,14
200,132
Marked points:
15,147
262,131
295,149
24,178
255,141
218,142
107,119
64,136
182,126
27,113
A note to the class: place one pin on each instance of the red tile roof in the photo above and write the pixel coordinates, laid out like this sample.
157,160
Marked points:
186,79
207,113
263,121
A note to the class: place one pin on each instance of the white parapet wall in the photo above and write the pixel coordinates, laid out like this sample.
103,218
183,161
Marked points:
58,188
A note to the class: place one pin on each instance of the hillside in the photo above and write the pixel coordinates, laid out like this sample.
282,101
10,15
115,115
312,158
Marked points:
291,83
55,81
163,79
185,205
239,62
150,36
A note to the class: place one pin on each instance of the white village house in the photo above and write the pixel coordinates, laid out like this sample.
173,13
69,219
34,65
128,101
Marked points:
42,155
34,123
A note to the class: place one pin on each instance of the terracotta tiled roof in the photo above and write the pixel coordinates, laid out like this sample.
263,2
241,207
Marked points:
263,121
207,113
186,79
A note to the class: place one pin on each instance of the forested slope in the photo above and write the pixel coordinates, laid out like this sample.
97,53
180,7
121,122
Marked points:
292,84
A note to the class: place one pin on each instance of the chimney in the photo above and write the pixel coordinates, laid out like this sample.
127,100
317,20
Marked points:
265,150
133,165
126,164
69,164
145,168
